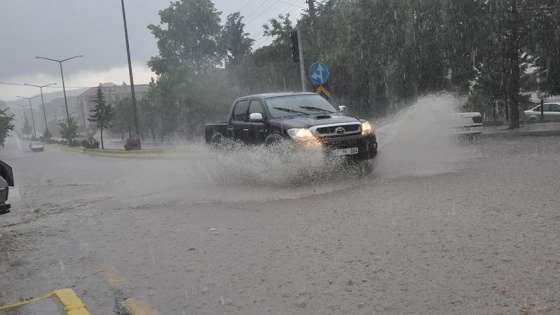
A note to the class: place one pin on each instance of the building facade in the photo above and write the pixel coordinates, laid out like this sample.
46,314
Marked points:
112,93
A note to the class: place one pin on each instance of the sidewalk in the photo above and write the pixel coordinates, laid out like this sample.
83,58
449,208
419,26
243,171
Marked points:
535,129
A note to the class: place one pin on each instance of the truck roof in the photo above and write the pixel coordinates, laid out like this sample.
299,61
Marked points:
266,95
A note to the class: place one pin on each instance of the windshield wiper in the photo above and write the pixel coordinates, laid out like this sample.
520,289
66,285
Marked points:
316,108
284,109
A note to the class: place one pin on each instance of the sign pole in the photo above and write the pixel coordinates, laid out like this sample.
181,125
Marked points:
301,64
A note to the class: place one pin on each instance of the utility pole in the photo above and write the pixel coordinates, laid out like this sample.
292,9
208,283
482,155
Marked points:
42,101
301,63
134,108
514,66
311,10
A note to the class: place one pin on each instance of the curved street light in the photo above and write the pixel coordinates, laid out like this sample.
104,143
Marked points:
42,101
62,75
31,108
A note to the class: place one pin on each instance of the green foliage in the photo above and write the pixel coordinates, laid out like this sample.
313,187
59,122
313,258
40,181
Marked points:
234,41
68,129
102,114
187,35
47,134
26,130
382,55
5,125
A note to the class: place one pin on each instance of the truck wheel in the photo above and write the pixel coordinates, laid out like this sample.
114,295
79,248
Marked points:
273,139
218,141
362,167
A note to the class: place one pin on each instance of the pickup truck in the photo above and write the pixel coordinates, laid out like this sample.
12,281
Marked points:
301,117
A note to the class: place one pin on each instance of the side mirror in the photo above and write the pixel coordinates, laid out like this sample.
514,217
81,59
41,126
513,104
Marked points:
342,108
255,117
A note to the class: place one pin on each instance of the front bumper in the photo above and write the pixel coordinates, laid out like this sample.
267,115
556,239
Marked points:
366,145
468,130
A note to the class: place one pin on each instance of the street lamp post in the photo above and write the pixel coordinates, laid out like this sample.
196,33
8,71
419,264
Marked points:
62,75
42,101
31,109
133,94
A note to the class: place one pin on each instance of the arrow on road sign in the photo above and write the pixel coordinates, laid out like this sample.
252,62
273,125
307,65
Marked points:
318,73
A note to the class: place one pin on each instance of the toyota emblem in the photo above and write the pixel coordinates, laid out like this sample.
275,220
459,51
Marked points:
340,130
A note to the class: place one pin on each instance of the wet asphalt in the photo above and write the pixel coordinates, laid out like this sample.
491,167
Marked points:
438,228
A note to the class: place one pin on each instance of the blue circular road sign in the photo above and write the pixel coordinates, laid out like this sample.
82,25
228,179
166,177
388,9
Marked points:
318,73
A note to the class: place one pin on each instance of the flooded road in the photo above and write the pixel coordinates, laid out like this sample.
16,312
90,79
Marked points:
201,233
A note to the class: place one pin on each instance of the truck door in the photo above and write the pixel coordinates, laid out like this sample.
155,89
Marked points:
239,118
257,128
243,128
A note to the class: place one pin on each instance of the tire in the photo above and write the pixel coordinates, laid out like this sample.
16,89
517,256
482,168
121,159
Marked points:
273,139
361,167
218,141
366,167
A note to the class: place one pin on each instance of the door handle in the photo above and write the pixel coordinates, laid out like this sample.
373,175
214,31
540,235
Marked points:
245,129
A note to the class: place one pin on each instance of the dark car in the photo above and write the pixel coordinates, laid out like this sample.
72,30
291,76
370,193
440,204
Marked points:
6,180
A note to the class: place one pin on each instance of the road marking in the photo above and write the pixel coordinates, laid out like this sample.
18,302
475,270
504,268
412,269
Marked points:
72,303
138,306
20,303
111,275
85,247
67,297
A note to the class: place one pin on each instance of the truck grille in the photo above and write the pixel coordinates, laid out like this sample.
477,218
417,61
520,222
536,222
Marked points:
338,130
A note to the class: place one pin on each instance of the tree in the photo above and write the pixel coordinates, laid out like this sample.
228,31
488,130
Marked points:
123,120
187,34
68,129
26,130
234,43
102,114
271,68
5,125
47,134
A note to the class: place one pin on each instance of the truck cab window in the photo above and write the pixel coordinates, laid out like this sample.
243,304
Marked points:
240,111
256,107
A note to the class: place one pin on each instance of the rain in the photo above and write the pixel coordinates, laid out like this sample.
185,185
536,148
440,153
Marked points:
417,176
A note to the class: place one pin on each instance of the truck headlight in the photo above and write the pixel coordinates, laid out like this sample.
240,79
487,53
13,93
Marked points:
366,128
300,134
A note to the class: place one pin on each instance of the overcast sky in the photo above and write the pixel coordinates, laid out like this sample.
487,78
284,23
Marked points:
59,29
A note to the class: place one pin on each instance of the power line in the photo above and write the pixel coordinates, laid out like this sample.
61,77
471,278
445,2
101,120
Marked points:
270,6
256,9
263,38
243,7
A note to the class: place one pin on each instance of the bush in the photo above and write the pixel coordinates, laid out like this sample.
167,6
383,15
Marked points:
74,143
91,144
131,144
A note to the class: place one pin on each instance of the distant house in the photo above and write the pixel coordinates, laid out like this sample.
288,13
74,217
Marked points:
112,93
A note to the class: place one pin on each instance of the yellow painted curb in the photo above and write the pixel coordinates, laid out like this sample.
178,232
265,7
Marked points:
138,306
67,297
72,303
27,301
114,153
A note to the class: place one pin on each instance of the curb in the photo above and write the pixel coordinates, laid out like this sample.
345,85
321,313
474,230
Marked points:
509,134
114,153
73,305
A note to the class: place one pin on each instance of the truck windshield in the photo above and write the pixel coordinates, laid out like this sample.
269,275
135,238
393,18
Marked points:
290,105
